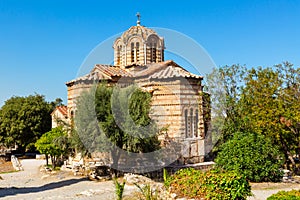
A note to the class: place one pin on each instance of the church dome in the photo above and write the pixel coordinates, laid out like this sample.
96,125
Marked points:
137,31
138,45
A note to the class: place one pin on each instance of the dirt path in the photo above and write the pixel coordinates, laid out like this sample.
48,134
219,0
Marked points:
30,184
262,191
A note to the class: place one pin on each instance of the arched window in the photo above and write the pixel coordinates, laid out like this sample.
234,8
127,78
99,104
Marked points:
186,122
153,48
119,55
137,51
153,52
191,118
132,52
196,118
191,131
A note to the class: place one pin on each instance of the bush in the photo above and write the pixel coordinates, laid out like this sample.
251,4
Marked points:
119,189
283,195
252,155
193,183
147,192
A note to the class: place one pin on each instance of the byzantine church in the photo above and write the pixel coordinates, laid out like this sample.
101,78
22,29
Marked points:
178,103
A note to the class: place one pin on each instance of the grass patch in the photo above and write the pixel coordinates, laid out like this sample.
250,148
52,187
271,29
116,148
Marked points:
8,172
50,167
286,195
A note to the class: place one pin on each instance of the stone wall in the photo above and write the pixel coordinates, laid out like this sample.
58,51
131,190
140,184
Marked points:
176,105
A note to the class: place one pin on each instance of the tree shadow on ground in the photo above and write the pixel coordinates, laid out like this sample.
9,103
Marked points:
10,191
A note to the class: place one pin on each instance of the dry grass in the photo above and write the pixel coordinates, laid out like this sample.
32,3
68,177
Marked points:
6,167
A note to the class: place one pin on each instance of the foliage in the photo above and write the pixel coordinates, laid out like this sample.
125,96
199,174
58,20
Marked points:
147,192
76,144
225,86
130,108
87,132
252,155
212,184
24,119
166,177
119,189
112,119
53,143
270,105
53,168
286,195
260,100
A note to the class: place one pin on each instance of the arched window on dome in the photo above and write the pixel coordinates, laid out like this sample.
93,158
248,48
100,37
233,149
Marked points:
137,54
132,52
119,48
153,52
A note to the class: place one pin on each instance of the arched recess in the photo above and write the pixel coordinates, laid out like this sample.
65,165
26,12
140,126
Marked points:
118,45
153,44
133,50
191,119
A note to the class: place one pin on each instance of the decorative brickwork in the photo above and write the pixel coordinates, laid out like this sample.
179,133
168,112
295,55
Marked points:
177,101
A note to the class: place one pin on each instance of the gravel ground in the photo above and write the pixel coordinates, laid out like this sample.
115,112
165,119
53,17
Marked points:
31,184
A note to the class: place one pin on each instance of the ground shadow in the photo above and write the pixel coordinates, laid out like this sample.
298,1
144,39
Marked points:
9,191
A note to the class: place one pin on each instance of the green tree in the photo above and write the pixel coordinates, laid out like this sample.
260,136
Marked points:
24,119
57,102
270,106
54,143
225,84
252,155
260,100
105,116
289,95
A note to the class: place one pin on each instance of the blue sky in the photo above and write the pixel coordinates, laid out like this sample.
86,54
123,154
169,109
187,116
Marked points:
43,43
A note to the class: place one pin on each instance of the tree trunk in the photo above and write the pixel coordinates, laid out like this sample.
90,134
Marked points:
288,154
47,159
115,154
53,160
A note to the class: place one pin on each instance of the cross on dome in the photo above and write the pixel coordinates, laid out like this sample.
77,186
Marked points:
139,19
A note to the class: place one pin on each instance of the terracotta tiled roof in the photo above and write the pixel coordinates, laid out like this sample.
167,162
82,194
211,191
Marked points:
173,72
102,72
110,71
167,69
62,109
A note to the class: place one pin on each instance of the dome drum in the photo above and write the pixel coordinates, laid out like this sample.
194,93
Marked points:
138,46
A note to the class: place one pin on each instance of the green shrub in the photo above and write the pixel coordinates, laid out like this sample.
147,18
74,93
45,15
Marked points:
252,155
283,195
166,177
213,184
147,193
119,189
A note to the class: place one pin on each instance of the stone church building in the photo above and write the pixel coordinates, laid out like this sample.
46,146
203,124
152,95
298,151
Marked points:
178,103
